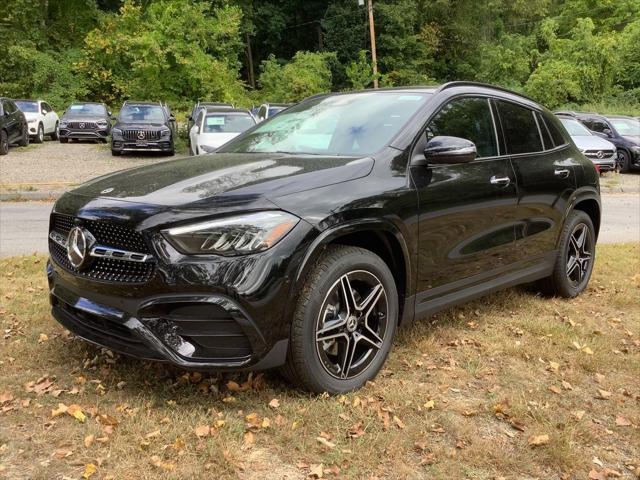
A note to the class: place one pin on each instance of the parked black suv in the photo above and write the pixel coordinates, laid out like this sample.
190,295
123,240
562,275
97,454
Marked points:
144,126
13,126
622,131
85,121
305,241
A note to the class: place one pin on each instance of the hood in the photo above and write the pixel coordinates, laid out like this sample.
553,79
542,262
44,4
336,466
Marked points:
225,179
138,125
215,139
83,118
592,142
31,116
632,138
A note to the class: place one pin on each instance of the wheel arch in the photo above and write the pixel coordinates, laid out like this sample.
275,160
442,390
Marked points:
588,202
376,235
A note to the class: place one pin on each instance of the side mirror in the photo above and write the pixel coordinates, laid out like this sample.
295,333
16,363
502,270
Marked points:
190,118
109,113
607,132
444,150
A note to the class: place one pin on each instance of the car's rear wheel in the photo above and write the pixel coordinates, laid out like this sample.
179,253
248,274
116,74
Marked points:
40,135
4,143
623,161
24,139
56,132
576,255
344,322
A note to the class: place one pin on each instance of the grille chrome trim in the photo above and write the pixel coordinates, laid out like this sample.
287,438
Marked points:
106,252
145,135
59,239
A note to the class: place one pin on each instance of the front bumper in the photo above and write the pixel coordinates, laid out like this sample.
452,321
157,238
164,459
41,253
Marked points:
84,134
151,146
201,313
606,164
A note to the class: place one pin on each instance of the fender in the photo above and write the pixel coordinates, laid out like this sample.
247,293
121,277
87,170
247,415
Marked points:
327,236
580,194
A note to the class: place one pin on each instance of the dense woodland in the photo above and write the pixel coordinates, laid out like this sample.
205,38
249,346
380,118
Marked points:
562,53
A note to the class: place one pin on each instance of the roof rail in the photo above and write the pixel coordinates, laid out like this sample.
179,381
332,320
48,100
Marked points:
468,83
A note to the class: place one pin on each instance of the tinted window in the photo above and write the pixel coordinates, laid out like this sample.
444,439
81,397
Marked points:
596,125
142,113
27,106
86,109
546,136
45,106
555,131
519,127
468,118
9,106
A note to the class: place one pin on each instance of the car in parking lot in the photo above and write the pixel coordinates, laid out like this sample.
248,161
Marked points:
144,127
601,152
41,118
622,131
306,241
85,121
198,105
13,126
214,127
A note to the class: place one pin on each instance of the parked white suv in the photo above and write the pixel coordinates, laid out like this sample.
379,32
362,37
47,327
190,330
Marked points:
41,118
213,127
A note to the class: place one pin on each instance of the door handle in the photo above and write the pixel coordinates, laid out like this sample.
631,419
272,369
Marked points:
561,172
500,181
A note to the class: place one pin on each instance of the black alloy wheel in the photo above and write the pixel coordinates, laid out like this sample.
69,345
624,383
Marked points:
623,161
579,255
24,139
4,143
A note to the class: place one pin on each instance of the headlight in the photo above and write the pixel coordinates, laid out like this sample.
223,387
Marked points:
165,132
63,124
102,123
636,148
116,131
208,149
230,236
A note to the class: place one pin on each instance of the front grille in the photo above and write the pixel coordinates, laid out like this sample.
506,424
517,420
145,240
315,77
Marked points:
82,125
594,153
141,134
107,234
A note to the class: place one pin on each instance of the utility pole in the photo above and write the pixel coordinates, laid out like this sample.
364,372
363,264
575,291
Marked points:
252,78
372,34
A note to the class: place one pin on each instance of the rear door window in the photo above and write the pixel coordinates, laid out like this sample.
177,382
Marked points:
520,128
468,118
544,131
556,134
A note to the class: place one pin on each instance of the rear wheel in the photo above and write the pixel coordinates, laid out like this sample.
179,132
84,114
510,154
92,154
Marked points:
40,135
576,256
344,322
24,139
4,143
623,161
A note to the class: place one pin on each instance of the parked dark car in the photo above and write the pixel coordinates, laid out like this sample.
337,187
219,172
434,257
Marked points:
13,126
144,127
305,241
622,131
85,121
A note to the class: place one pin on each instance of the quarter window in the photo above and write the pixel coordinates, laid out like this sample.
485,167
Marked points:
519,127
546,136
468,118
556,134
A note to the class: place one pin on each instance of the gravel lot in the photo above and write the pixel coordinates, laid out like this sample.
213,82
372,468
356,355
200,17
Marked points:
54,166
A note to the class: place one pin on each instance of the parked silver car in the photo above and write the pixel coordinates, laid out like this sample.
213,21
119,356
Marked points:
600,151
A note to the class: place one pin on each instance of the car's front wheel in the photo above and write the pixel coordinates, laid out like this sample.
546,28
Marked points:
24,139
40,135
4,143
344,322
576,255
623,161
56,132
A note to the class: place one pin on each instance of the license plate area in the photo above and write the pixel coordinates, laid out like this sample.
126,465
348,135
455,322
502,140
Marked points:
141,143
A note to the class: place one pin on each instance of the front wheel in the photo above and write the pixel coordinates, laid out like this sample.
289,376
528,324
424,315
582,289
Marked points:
576,255
344,322
64,140
40,135
116,153
623,161
4,143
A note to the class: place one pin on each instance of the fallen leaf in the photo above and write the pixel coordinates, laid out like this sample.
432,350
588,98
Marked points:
88,440
430,405
89,470
398,422
554,389
76,412
316,471
537,440
275,403
154,434
202,431
249,438
604,394
61,410
356,431
622,421
325,442
5,397
156,461
43,338
578,414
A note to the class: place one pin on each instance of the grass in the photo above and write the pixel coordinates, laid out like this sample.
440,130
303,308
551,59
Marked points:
461,396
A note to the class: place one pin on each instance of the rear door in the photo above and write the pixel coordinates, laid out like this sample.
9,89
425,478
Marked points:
545,169
12,120
466,217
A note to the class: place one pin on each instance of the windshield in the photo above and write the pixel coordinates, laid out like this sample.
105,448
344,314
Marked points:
274,110
142,114
27,107
575,128
626,126
349,124
86,109
227,123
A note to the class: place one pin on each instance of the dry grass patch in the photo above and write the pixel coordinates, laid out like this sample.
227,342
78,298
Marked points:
511,386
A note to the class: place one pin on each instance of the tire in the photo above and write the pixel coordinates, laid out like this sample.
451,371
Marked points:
624,161
24,140
40,135
354,354
4,143
569,279
115,153
64,140
55,135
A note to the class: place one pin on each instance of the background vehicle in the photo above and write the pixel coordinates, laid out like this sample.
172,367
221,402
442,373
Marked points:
41,118
144,126
199,105
601,152
214,127
307,247
623,132
268,110
85,121
13,126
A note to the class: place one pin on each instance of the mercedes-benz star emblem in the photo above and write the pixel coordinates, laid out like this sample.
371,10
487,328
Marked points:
600,154
107,190
82,125
77,247
140,135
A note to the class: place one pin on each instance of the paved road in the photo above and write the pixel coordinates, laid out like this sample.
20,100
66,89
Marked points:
23,225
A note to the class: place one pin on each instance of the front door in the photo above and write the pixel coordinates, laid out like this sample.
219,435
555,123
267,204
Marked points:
467,211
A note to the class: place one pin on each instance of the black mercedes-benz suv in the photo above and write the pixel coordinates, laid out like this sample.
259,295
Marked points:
144,126
85,121
307,240
13,126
